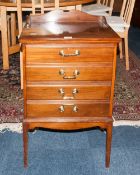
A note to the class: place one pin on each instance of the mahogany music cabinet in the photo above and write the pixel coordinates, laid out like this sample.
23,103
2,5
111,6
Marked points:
69,62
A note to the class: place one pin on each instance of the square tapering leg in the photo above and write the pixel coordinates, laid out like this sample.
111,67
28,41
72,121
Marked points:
108,144
25,144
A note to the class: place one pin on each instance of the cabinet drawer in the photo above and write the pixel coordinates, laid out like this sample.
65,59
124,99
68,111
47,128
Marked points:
97,53
69,72
68,91
69,108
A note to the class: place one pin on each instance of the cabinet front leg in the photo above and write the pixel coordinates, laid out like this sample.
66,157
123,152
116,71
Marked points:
25,144
108,143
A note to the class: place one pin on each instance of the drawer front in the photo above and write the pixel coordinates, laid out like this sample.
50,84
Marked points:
98,53
51,91
42,108
73,72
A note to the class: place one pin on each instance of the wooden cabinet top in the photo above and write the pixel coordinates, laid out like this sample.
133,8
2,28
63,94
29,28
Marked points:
67,26
48,3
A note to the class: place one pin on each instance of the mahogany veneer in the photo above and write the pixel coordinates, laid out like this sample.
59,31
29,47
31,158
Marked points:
69,72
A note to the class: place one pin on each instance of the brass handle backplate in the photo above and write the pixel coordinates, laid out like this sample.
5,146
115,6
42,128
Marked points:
75,108
75,91
61,108
62,92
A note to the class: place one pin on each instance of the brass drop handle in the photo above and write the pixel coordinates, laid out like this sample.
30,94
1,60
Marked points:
76,53
74,108
74,76
62,92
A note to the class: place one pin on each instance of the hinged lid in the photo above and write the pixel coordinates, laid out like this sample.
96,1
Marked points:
67,25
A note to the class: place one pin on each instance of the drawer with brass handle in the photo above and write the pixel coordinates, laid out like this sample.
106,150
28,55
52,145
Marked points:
87,72
96,53
68,91
69,108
